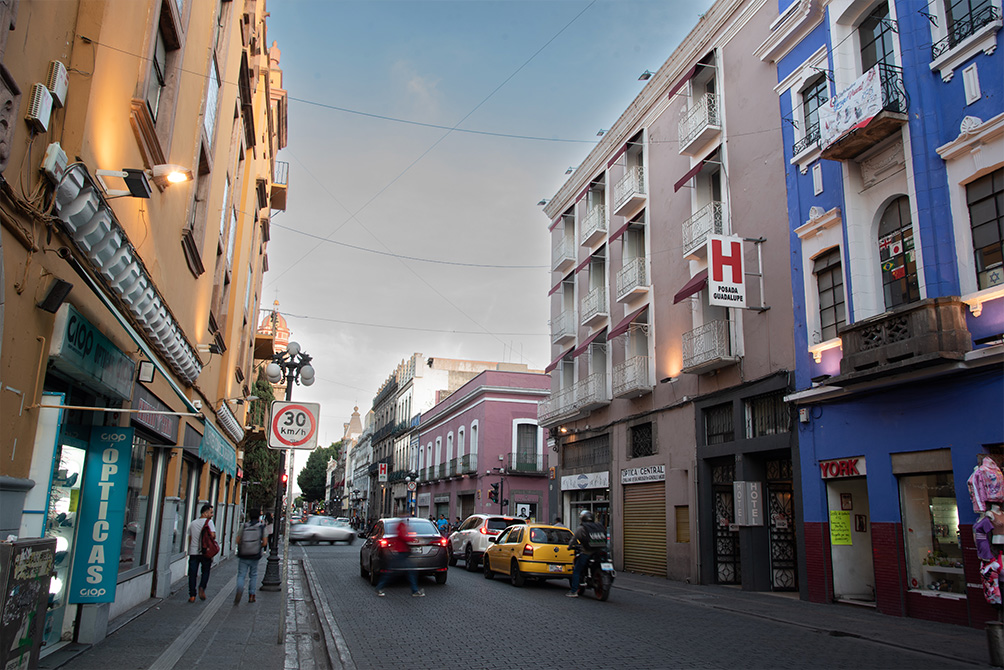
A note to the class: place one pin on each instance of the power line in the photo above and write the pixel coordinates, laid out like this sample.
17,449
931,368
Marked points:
393,327
410,258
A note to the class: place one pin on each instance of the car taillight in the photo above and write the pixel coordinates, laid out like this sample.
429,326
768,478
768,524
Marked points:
384,543
442,541
528,550
484,530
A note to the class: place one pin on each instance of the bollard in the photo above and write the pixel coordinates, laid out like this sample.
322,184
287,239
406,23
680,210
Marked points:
995,642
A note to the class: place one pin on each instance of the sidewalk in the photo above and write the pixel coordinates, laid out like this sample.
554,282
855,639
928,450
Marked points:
938,639
215,633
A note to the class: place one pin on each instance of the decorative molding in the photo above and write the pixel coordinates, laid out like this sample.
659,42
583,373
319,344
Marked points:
801,20
146,133
817,349
887,160
976,300
818,224
984,39
972,136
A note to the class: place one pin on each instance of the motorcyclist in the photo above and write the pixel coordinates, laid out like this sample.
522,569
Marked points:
589,539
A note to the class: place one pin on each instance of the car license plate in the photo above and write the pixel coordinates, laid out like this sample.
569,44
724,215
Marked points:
609,567
556,567
417,551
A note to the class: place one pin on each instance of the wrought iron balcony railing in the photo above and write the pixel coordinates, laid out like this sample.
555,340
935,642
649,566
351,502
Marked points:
811,138
563,326
707,347
631,277
966,26
631,377
631,185
562,253
595,224
705,221
704,113
524,464
594,304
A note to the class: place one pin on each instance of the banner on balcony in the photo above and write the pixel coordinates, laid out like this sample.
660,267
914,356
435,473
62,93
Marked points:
726,276
852,108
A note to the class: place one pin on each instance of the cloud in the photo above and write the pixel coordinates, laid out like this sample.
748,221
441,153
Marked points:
424,96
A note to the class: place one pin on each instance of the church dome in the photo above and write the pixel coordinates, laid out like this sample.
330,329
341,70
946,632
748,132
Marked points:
274,324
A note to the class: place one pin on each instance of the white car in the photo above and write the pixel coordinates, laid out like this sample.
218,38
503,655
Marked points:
470,541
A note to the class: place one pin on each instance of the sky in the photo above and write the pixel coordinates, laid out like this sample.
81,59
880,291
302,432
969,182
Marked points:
422,136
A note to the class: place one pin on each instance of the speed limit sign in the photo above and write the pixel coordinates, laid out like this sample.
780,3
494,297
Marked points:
293,425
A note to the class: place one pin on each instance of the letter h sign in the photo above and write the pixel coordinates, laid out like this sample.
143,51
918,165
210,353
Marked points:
726,289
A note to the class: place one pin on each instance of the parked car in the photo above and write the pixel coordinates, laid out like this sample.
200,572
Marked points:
530,551
428,556
471,540
316,529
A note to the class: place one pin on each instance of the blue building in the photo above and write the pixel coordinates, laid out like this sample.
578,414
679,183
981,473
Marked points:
894,136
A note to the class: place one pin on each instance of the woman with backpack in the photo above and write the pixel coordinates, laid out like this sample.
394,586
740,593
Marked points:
252,541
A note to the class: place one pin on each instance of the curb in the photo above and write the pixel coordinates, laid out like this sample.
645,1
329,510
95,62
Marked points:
337,651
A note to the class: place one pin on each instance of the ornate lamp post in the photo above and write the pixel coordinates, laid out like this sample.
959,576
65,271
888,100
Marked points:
293,367
412,508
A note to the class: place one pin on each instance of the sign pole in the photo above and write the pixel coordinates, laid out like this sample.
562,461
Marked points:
285,551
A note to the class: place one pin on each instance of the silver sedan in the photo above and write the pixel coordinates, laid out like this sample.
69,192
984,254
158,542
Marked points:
316,529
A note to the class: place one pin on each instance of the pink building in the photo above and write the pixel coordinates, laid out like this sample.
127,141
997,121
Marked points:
483,434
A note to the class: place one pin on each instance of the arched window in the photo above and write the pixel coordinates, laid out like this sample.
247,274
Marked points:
896,254
449,453
460,442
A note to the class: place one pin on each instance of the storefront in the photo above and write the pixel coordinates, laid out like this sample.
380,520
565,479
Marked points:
586,491
850,534
645,519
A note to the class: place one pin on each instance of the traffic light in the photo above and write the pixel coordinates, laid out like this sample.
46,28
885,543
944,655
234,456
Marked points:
283,479
493,495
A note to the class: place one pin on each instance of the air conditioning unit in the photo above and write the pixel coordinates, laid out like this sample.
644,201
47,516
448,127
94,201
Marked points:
39,108
57,81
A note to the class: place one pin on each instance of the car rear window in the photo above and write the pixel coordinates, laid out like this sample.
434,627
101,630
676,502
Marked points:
501,523
550,536
422,527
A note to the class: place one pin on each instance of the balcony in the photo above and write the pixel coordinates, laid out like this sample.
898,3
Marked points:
525,464
865,113
563,327
452,467
594,228
706,221
629,192
923,333
427,474
563,254
631,378
468,464
594,306
631,279
278,196
708,348
700,124
559,407
591,392
810,140
964,28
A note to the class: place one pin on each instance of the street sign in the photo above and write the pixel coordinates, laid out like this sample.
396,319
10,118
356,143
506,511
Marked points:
293,425
383,472
412,486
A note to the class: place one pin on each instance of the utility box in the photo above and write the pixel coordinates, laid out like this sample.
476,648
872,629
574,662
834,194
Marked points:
25,571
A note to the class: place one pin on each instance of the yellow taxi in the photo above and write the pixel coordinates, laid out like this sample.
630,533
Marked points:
530,551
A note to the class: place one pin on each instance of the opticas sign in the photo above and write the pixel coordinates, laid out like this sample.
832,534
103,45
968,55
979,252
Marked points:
843,467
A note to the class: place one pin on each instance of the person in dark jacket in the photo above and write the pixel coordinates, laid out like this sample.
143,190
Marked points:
589,538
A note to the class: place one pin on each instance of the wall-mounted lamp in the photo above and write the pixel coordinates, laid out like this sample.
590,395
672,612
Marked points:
563,429
241,401
668,380
146,372
210,349
570,170
137,182
56,295
646,75
543,201
601,132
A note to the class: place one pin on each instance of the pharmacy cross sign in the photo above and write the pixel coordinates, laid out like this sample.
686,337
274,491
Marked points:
293,425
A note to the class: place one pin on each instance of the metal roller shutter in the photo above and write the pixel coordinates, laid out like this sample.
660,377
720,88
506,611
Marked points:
645,528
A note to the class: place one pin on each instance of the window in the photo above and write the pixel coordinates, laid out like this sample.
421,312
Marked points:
591,452
641,440
231,238
931,532
718,424
767,414
223,209
683,523
814,95
985,198
212,101
830,284
157,76
964,17
876,33
527,449
137,514
896,254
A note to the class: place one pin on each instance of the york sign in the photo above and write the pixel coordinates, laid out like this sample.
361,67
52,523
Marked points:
842,467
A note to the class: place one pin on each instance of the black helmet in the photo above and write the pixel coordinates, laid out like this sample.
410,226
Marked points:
586,516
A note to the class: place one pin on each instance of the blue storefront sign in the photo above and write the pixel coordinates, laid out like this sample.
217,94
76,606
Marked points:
215,449
102,510
82,351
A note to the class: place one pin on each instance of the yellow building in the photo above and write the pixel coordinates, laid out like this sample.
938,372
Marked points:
129,301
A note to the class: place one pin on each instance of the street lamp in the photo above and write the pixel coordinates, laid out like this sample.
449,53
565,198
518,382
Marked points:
292,366
412,507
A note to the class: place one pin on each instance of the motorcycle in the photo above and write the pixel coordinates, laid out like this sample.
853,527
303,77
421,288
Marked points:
599,575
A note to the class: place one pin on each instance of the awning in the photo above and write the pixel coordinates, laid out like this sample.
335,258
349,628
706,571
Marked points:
589,340
696,283
620,231
554,223
583,194
690,175
582,265
625,323
558,285
617,155
557,360
683,80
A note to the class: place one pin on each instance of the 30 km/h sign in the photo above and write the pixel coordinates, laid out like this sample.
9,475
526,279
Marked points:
293,425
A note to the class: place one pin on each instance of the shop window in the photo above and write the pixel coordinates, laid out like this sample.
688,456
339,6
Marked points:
641,440
767,414
931,529
830,285
137,512
188,491
683,523
718,424
896,254
985,198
